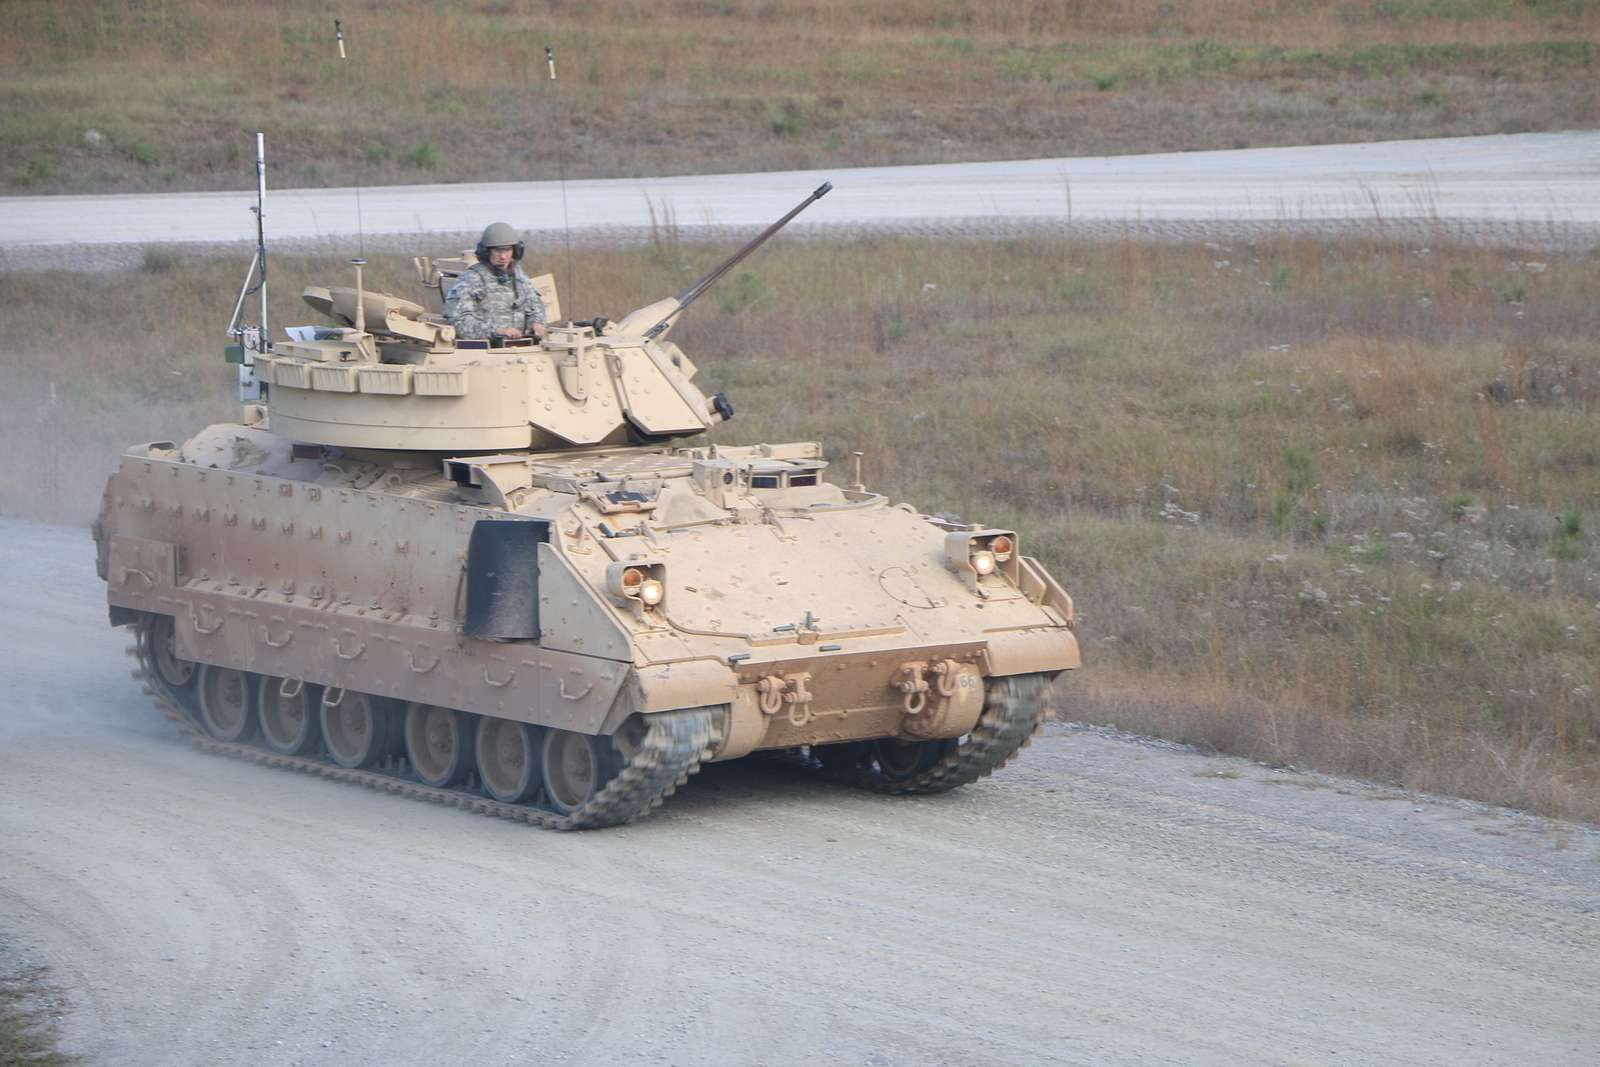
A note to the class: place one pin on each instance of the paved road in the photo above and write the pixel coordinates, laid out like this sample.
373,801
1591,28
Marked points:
1523,183
1104,901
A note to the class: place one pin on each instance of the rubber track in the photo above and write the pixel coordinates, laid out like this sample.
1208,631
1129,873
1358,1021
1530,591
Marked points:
1013,709
674,745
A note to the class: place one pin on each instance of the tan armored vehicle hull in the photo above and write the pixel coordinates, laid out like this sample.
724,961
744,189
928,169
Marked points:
489,577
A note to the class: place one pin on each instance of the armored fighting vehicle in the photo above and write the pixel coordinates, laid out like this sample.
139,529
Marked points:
516,579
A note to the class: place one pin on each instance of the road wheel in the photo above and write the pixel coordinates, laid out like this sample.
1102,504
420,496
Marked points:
163,639
439,744
227,703
290,715
508,759
356,727
900,760
576,767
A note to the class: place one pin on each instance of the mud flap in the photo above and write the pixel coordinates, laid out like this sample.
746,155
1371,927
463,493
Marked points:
503,579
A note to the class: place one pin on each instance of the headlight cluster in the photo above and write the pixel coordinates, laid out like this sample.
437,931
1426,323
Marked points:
641,585
980,553
985,560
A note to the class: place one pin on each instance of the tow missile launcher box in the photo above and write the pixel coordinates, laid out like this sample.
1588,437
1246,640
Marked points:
515,579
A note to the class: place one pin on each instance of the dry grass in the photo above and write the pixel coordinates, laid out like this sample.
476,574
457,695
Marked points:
27,1038
1323,504
173,88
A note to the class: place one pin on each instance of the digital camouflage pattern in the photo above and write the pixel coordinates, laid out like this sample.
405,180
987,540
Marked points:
483,301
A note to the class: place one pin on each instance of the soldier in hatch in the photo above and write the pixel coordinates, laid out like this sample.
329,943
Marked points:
493,298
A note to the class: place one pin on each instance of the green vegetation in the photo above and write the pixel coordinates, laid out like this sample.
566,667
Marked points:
1570,541
1296,487
742,291
1342,522
119,94
421,156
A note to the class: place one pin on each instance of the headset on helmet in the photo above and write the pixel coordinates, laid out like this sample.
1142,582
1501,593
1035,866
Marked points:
500,235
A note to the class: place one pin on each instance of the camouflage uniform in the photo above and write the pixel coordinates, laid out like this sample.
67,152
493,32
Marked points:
483,301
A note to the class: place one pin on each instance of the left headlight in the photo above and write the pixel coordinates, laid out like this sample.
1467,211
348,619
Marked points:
638,583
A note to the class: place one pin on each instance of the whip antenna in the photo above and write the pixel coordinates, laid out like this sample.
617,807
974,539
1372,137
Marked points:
361,232
561,172
249,340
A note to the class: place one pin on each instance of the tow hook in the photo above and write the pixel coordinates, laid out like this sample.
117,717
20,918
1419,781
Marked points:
915,687
943,699
776,690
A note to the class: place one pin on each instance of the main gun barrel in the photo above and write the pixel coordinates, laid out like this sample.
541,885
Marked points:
691,294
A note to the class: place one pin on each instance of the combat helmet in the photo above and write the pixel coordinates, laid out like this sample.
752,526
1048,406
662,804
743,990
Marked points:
500,235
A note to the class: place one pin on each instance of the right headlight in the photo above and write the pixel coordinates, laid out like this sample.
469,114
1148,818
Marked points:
977,554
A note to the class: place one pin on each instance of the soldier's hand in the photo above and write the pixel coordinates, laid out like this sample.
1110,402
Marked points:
508,331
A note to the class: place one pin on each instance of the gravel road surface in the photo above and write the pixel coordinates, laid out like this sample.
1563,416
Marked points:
1104,901
1542,187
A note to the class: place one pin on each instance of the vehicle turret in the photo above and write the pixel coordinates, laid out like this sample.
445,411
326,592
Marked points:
393,375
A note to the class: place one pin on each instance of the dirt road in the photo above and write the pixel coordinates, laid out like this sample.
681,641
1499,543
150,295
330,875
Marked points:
1105,901
1542,188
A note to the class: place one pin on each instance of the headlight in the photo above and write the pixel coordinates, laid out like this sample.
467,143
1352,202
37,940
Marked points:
638,584
977,554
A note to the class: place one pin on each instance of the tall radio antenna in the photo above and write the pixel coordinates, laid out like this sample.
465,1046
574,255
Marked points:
252,339
561,172
361,232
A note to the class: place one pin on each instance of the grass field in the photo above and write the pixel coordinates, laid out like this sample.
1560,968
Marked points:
1330,504
166,94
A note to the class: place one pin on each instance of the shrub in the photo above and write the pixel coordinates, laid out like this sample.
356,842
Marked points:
158,259
785,121
746,289
140,151
422,156
1569,544
1298,481
34,171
